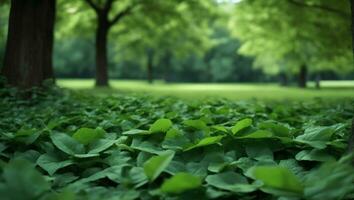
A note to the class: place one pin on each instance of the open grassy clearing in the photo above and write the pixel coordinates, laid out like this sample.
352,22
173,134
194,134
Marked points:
330,90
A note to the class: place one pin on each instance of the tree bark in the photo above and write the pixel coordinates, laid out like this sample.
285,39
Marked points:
283,79
352,12
101,50
28,55
318,81
302,82
103,26
351,139
167,66
150,65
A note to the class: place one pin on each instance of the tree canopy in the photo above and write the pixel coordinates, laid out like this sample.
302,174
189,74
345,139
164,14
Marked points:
284,35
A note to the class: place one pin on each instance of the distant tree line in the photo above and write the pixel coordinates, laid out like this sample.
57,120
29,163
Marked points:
176,40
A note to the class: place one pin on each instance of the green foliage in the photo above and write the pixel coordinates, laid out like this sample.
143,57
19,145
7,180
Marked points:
161,125
205,142
277,180
285,35
22,181
181,182
156,164
127,147
87,135
241,125
231,181
184,45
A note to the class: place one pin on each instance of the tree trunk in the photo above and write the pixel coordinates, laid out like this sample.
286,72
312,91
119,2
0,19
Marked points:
352,10
351,139
150,63
318,81
302,82
167,66
28,56
283,79
101,51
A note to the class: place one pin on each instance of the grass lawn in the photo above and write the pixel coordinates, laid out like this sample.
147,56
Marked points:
267,91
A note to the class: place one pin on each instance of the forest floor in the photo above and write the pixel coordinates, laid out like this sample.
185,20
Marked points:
69,144
238,91
90,144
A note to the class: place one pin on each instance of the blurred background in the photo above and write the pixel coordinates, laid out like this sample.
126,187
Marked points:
293,43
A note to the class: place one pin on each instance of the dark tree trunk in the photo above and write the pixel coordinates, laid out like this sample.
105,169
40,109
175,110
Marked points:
167,66
352,10
103,26
101,51
351,139
302,82
28,56
150,66
208,73
283,79
318,81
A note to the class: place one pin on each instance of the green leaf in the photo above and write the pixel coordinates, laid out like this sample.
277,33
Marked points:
157,164
231,181
260,134
259,151
220,128
240,125
52,163
277,180
100,145
113,173
136,176
136,132
161,126
316,137
175,143
181,182
317,134
146,146
22,181
87,135
196,124
205,142
67,144
27,135
331,181
314,155
276,128
25,132
172,133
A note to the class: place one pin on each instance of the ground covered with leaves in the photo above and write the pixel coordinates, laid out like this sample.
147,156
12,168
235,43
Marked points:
66,145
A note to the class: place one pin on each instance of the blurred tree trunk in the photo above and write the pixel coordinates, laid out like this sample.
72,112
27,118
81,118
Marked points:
351,139
302,82
318,81
103,26
283,79
29,47
207,60
352,11
150,65
101,50
167,66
